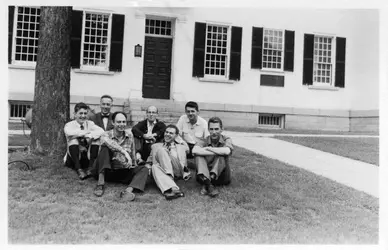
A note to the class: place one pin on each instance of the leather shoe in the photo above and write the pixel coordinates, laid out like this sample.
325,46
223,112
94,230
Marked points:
127,196
99,190
212,191
173,194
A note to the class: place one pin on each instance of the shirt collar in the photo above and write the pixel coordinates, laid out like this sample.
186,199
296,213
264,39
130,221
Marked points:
126,135
154,122
188,120
221,141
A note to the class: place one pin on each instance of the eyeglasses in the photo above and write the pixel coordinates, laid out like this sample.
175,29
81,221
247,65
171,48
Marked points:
152,112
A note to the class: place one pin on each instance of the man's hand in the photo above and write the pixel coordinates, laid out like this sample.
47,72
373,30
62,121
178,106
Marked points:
129,160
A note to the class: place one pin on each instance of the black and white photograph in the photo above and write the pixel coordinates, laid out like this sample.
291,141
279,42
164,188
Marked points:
190,124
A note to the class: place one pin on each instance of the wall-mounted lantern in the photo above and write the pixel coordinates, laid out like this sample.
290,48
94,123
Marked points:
138,50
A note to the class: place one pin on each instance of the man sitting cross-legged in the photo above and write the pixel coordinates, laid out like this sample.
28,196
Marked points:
115,161
212,159
82,138
169,161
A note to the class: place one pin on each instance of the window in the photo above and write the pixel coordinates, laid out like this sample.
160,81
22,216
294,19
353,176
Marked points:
217,52
273,49
267,120
95,41
26,35
158,27
216,57
18,110
323,59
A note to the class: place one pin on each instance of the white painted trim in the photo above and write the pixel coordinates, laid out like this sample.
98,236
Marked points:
21,66
282,51
320,87
140,14
207,79
89,71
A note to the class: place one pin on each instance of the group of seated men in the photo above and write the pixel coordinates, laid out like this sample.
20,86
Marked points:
102,147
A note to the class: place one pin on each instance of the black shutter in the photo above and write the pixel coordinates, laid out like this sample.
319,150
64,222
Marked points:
76,36
257,48
308,59
11,13
116,44
235,54
340,62
199,49
289,50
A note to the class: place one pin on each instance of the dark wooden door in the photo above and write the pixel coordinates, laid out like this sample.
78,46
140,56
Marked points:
157,67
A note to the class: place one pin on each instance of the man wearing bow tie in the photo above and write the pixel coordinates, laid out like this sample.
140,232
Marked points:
168,159
104,118
82,135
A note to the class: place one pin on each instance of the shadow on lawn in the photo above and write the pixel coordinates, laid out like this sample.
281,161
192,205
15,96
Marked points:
267,202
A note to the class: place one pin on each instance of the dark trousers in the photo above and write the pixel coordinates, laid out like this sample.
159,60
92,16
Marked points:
74,161
143,148
134,177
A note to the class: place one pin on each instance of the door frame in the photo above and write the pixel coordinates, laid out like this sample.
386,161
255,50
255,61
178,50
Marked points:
172,19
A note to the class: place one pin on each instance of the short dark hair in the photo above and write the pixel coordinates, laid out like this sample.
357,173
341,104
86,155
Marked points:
174,127
215,119
118,112
106,96
192,104
79,106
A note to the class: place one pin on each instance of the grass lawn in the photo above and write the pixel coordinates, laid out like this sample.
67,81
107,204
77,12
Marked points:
362,149
18,140
267,202
294,131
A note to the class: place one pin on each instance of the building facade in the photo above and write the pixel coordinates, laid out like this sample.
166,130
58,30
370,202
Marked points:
276,68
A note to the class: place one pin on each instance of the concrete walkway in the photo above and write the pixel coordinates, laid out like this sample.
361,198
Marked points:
248,134
356,174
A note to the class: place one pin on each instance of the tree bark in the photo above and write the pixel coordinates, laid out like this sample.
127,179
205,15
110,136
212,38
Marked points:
51,107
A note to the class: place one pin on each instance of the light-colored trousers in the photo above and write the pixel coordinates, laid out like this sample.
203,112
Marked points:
166,169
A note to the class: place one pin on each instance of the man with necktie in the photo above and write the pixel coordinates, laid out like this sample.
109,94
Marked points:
168,159
81,134
104,118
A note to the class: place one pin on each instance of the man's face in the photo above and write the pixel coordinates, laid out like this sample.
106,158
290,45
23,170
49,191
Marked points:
192,114
81,115
215,130
105,105
120,123
170,135
151,114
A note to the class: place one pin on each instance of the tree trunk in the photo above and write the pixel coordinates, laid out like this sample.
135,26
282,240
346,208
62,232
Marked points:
51,107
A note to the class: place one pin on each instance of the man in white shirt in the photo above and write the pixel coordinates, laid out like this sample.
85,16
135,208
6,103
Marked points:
192,128
81,134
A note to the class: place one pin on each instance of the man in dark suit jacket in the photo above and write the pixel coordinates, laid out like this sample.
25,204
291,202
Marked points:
103,119
146,133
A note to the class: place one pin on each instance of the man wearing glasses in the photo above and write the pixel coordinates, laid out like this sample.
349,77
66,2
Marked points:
146,133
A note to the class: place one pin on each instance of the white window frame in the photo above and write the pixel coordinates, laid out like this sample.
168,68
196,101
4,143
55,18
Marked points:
227,62
109,35
333,60
282,51
14,32
160,18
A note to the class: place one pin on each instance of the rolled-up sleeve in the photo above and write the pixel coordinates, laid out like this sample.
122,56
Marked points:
228,143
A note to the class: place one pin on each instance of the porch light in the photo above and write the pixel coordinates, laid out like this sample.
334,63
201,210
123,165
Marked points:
138,50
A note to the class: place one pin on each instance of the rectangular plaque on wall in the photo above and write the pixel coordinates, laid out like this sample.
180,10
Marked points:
272,80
